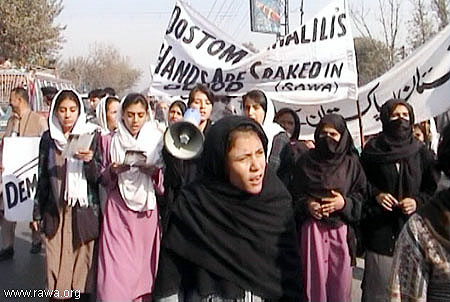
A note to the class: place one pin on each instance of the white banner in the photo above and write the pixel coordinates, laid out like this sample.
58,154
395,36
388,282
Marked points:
312,70
314,64
421,79
20,176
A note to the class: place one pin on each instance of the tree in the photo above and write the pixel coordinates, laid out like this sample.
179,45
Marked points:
421,25
441,8
389,18
28,35
370,59
104,66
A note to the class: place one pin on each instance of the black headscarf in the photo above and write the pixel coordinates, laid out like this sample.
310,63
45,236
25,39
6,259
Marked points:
221,240
283,111
396,141
325,168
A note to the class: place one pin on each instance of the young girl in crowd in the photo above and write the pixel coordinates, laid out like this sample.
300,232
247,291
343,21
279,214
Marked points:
202,99
107,117
403,177
329,188
67,198
180,172
289,120
130,235
106,112
176,112
260,109
231,233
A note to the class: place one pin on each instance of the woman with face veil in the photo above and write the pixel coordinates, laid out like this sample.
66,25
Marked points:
329,188
402,176
231,234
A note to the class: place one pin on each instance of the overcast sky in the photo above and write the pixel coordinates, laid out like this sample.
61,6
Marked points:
136,27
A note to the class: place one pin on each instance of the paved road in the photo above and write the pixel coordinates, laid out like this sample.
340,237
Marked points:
26,271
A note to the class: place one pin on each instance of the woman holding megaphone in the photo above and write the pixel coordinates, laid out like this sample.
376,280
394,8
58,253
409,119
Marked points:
179,172
231,233
130,233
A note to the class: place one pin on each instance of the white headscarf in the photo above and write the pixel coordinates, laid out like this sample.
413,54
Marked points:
101,111
271,129
76,184
136,187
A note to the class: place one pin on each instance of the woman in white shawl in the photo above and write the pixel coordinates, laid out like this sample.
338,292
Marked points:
130,233
67,197
260,109
106,112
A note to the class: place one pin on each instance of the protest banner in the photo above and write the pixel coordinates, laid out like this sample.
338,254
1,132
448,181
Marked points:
422,79
314,64
20,176
312,70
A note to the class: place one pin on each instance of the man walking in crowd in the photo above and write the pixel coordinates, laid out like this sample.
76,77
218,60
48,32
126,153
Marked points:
49,93
94,98
23,122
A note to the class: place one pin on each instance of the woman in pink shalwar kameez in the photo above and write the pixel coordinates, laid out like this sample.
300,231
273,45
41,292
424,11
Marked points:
130,235
328,194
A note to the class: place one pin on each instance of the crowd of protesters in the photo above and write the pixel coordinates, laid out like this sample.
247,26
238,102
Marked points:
258,216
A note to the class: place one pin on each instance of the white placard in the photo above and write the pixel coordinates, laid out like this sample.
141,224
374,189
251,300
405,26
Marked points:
20,176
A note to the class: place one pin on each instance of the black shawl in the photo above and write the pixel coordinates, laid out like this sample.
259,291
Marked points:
177,173
297,124
398,164
320,171
388,146
221,240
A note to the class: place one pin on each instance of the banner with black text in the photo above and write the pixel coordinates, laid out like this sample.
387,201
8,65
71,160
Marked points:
314,64
422,79
20,176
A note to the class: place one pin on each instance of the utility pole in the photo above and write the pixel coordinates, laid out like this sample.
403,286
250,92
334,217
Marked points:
301,12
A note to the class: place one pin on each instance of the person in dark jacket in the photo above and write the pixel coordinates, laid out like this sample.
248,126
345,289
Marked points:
231,234
402,176
329,188
289,120
180,172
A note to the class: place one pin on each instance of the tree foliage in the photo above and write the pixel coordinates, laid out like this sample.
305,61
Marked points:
421,25
441,9
28,35
104,66
371,60
388,18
